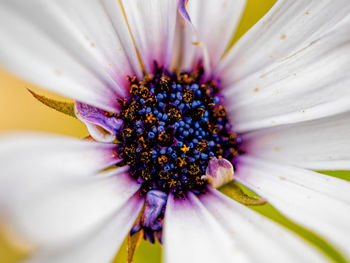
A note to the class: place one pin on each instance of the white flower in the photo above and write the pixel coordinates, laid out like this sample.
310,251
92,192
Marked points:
286,90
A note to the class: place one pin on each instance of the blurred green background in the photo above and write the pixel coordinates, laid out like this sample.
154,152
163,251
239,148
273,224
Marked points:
19,111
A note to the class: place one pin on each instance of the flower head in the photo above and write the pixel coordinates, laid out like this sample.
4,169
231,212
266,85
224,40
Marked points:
172,126
172,117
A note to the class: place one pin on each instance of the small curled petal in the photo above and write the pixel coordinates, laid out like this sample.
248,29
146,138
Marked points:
102,128
219,172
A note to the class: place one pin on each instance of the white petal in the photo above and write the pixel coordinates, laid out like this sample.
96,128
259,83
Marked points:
292,66
260,238
49,188
319,202
116,14
59,45
38,154
152,24
214,22
185,50
67,210
320,145
191,234
113,45
301,22
100,245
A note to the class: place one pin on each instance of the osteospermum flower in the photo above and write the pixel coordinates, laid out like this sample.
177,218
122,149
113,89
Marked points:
173,117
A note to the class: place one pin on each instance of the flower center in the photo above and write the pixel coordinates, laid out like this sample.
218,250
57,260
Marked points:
173,125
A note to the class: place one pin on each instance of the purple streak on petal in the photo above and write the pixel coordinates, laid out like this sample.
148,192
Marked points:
182,10
98,117
180,203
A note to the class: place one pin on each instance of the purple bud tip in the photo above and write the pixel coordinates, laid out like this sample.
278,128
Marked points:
151,220
154,208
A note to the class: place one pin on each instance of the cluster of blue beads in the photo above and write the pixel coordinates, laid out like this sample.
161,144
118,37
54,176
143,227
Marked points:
173,125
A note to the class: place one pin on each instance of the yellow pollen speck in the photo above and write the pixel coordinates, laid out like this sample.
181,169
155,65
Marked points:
185,148
306,13
283,36
172,183
198,43
256,89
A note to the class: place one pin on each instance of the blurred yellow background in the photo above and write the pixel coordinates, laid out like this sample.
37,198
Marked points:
19,111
